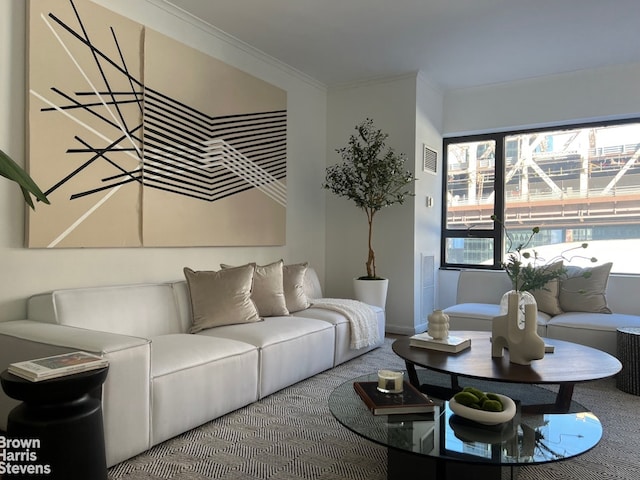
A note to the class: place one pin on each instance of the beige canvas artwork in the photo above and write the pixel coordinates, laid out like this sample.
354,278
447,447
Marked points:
139,140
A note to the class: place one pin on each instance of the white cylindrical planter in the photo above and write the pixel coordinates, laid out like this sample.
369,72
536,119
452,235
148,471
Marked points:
373,292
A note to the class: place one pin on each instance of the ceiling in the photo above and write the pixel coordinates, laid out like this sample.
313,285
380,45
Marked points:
455,43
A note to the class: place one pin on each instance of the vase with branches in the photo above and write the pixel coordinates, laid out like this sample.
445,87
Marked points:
529,272
371,175
526,269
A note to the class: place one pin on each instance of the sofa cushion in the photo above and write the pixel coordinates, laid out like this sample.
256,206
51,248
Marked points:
343,350
291,348
479,316
595,321
144,310
222,297
547,297
293,283
482,286
173,353
598,330
311,286
197,378
583,290
268,289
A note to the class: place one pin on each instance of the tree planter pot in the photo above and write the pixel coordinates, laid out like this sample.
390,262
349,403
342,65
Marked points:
373,292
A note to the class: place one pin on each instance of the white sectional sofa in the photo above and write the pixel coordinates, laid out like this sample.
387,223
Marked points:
479,293
164,380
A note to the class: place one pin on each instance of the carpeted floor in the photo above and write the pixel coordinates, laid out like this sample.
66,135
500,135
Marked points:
291,435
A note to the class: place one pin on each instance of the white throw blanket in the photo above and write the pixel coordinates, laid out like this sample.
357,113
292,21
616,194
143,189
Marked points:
364,326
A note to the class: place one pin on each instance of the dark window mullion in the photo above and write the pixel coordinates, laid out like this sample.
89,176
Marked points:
498,204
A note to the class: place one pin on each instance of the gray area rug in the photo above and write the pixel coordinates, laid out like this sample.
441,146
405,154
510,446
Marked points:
291,435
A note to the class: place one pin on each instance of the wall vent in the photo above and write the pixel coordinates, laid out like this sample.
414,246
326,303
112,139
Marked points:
429,159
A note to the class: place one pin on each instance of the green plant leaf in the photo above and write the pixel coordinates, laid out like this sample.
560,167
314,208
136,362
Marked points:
12,171
371,175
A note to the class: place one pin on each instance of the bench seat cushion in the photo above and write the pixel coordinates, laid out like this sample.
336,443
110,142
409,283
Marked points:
343,350
291,348
196,378
479,316
596,330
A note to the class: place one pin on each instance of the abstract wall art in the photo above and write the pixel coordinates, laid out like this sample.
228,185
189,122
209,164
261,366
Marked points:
140,140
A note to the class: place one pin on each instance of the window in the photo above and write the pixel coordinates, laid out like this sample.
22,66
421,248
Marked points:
578,184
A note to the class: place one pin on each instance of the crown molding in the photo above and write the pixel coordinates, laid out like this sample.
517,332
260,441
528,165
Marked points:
375,81
221,36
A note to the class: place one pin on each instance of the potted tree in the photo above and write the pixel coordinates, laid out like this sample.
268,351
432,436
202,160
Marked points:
12,171
373,176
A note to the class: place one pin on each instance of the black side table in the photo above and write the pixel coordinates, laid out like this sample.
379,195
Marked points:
63,419
628,350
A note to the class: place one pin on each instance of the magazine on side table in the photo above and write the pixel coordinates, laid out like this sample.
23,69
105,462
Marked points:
57,366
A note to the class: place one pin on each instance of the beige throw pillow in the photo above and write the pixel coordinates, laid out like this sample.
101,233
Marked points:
268,289
547,297
293,282
221,298
584,289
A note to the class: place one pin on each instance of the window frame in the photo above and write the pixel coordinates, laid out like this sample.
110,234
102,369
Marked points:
499,187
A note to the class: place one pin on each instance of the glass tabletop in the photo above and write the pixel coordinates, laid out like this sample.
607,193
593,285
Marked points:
527,439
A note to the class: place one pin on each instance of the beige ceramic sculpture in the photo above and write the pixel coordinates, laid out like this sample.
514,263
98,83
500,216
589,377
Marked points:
438,327
524,344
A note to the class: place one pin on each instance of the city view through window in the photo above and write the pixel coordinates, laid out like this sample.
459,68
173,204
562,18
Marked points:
578,185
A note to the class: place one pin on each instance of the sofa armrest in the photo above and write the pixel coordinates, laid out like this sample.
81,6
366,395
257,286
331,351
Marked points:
125,393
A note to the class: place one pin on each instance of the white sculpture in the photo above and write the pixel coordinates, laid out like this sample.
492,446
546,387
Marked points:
438,327
524,344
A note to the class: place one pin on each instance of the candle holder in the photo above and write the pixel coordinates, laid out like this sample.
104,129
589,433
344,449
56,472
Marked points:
390,381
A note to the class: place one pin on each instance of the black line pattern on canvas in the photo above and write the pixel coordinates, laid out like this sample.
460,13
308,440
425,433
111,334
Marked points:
186,152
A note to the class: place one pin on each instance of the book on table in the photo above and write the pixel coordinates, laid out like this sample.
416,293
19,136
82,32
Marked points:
548,348
410,400
57,366
452,343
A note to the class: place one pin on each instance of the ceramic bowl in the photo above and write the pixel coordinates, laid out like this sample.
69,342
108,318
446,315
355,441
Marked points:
482,416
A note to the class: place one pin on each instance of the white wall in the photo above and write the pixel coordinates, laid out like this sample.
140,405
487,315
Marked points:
24,272
605,93
391,103
427,219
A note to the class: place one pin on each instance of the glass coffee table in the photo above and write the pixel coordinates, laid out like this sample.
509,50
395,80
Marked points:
444,446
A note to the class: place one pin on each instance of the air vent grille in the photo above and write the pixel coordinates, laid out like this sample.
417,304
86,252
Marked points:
429,160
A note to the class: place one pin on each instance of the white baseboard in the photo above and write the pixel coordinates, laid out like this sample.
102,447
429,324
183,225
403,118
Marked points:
404,330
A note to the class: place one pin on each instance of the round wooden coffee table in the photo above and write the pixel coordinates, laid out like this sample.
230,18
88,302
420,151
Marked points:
570,363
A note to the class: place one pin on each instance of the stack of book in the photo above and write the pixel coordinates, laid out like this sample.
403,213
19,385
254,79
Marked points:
57,366
452,344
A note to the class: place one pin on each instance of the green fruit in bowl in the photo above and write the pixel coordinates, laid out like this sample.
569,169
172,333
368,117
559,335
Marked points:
467,399
477,392
493,396
475,398
492,406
